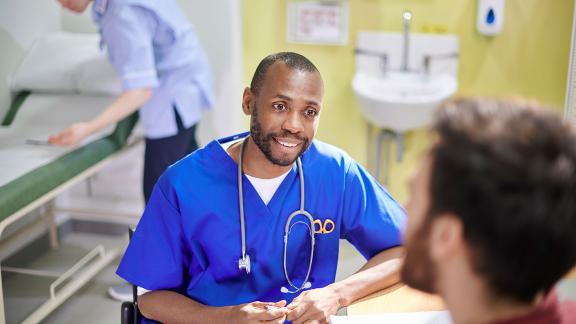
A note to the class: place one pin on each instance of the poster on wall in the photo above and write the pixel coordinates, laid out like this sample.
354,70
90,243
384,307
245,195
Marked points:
318,22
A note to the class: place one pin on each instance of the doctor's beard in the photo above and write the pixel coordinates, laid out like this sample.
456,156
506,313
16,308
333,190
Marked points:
264,140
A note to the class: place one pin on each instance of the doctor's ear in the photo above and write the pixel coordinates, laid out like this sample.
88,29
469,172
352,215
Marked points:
247,99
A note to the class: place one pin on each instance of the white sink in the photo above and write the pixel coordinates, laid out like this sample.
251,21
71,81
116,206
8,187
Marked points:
399,87
402,101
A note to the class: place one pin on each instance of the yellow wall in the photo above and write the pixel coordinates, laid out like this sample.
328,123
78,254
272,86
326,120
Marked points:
529,58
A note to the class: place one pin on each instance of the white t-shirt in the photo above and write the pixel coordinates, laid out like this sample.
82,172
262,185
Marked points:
265,187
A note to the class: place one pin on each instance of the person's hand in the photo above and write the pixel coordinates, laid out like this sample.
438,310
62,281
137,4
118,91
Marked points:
260,312
314,306
71,135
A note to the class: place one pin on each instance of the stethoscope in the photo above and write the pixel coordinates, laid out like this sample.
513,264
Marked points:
244,261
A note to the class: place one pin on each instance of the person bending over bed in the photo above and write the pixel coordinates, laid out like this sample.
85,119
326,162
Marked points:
165,77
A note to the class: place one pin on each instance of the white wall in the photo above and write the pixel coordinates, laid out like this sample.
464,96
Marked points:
21,22
219,26
25,20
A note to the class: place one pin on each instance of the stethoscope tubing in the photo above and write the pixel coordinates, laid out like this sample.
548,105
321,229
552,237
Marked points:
245,261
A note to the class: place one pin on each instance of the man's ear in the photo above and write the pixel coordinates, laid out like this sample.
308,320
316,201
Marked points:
446,237
247,98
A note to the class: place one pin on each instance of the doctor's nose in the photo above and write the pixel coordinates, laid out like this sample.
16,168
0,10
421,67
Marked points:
293,123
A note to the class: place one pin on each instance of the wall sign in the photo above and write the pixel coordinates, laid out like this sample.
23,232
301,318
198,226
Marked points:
318,22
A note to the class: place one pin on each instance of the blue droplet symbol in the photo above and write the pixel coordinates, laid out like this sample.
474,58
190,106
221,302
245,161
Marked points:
490,18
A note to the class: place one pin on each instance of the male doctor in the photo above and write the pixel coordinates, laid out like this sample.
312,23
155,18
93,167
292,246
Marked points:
211,247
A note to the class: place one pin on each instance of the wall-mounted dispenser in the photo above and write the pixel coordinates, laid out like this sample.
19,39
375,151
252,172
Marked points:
490,17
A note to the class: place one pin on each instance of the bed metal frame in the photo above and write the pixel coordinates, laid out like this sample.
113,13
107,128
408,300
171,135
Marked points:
84,269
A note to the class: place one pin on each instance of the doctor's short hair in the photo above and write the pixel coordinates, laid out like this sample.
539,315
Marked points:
292,60
507,170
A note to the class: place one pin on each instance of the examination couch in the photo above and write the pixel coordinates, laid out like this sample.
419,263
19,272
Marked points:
32,174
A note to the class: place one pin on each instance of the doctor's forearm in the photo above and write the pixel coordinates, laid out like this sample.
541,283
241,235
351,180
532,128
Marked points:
127,103
170,307
379,272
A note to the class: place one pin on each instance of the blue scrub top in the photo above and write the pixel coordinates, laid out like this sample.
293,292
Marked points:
189,240
151,44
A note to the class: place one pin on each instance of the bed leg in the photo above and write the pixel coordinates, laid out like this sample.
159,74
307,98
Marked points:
2,311
51,223
89,186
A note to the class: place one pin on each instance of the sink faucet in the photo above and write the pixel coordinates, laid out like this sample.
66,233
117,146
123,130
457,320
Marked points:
407,18
429,58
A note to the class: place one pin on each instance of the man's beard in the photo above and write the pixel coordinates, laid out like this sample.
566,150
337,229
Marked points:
418,270
263,141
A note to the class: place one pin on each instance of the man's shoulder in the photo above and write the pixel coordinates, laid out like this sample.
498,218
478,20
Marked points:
322,153
196,164
324,150
568,311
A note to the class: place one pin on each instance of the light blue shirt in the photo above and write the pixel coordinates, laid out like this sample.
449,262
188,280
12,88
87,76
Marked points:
151,44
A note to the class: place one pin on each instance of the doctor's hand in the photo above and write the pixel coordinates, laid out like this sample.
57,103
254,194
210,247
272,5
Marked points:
260,312
71,135
314,306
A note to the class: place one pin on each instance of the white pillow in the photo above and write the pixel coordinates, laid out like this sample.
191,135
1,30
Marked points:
97,76
66,63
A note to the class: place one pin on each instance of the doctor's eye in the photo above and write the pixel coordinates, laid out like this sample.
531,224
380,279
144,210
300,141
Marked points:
311,113
279,106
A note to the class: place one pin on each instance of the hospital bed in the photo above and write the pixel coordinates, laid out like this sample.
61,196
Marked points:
32,176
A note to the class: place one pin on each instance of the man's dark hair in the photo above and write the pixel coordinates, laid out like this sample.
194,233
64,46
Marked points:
507,170
293,60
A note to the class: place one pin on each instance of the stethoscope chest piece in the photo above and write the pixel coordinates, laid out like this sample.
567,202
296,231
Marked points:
244,263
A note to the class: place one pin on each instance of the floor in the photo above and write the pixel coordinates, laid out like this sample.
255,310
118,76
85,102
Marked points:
24,293
115,190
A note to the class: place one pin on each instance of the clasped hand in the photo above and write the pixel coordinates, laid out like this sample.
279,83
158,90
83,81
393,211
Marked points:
260,312
311,307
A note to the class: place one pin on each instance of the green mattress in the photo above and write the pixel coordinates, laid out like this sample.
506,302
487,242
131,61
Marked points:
22,191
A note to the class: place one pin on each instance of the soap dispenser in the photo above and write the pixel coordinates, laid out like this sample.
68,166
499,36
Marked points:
490,17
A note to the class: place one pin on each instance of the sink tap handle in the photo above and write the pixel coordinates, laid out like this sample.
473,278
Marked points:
383,57
427,61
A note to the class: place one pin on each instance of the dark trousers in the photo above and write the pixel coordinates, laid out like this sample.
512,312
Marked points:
162,152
